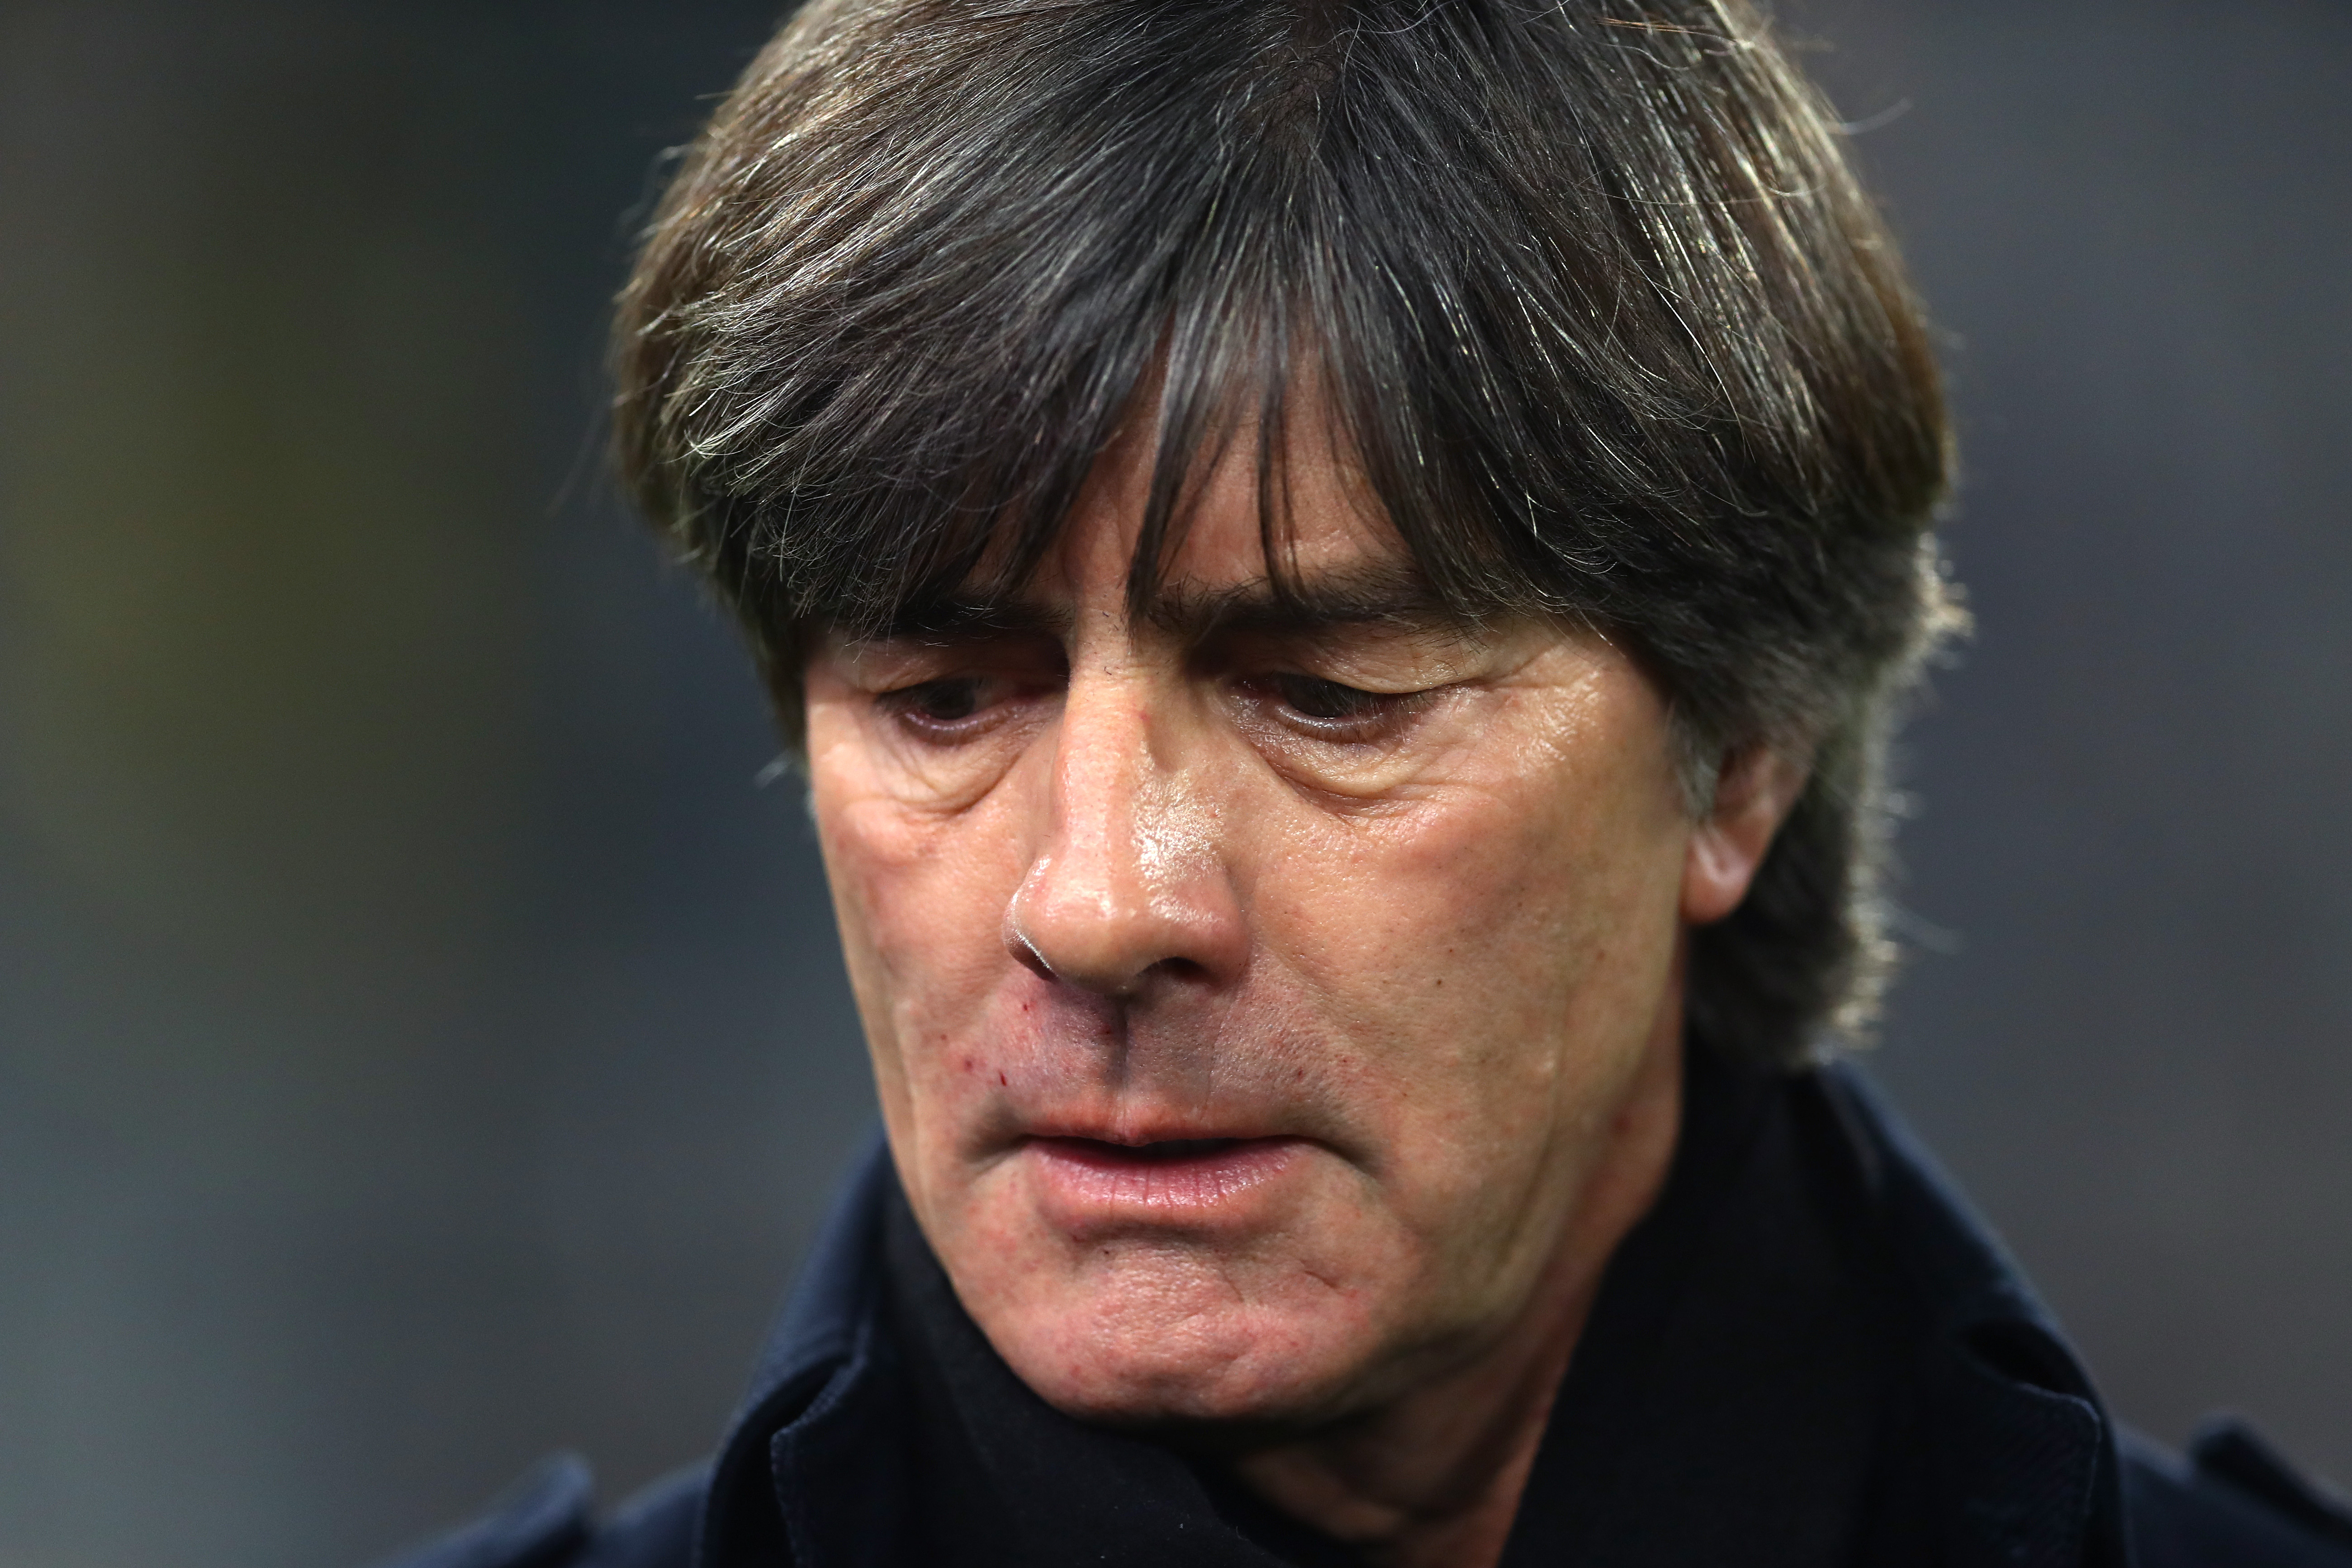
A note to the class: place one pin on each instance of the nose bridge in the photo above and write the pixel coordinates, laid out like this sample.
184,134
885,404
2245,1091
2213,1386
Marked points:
1125,878
1106,789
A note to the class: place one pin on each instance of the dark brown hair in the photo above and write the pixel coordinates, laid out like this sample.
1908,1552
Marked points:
1586,285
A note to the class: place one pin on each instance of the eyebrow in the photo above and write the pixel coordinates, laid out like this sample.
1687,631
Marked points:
957,618
1303,606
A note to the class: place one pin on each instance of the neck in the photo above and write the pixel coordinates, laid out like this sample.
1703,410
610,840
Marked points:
1432,1479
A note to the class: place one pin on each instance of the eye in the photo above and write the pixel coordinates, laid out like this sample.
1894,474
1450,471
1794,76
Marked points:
1331,711
948,709
1326,701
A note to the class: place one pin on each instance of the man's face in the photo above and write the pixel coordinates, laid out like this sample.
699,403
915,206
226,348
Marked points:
1252,995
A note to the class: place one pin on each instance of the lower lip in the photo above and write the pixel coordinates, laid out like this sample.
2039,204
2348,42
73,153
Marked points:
1087,1184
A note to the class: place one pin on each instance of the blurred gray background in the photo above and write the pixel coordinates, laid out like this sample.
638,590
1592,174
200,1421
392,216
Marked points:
421,1041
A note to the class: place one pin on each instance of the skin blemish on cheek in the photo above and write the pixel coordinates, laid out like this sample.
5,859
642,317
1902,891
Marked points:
1000,1079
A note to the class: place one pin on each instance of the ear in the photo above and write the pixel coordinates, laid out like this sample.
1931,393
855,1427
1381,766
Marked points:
1753,794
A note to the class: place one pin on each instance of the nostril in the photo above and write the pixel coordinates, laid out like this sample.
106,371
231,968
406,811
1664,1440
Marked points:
1064,927
1025,953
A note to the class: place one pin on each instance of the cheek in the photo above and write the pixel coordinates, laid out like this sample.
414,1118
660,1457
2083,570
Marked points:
1496,954
919,896
1523,898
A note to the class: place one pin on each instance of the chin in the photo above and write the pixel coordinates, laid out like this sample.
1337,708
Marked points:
1164,1346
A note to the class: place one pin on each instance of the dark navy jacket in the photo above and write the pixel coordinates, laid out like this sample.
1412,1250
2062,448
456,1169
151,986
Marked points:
1811,1353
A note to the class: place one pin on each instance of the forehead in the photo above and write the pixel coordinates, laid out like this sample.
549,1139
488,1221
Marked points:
1295,534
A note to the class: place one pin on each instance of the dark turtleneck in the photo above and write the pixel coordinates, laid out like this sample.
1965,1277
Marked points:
1809,1353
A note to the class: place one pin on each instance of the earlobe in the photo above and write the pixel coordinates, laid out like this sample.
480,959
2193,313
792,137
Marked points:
1754,794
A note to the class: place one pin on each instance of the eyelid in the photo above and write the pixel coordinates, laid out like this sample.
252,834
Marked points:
896,662
999,698
1388,715
1370,656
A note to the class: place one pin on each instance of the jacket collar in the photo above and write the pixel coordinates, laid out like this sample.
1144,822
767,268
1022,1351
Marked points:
826,1348
2014,1461
2025,1458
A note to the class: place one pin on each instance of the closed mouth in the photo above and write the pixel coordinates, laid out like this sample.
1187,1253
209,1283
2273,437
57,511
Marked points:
1159,1151
1094,1180
1111,1152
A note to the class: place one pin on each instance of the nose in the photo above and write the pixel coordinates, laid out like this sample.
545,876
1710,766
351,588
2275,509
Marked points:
1128,881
